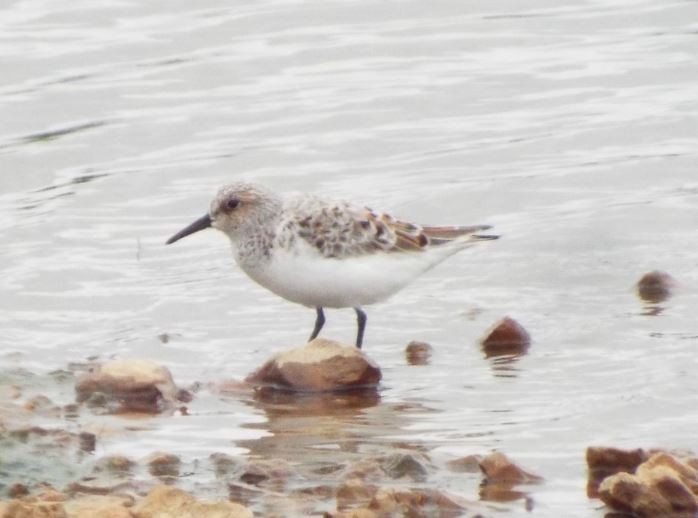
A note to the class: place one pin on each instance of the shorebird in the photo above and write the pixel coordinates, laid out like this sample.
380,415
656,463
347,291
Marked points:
325,253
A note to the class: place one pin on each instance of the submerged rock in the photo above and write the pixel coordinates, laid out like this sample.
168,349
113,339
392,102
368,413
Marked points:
131,385
163,464
319,366
506,337
418,353
656,286
499,469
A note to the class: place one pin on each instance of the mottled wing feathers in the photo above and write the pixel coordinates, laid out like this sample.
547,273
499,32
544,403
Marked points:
341,230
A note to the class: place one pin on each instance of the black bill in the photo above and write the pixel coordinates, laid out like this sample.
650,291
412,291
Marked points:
199,224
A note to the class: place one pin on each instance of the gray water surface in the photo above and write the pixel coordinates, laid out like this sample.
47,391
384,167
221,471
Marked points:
572,127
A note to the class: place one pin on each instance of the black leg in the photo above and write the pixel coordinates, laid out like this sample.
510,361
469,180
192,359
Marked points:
361,321
319,322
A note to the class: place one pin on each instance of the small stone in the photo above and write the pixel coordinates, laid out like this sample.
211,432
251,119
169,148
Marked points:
87,441
497,468
17,490
404,465
224,464
321,365
135,385
163,464
418,353
506,337
353,492
42,405
268,473
656,286
467,464
165,501
115,464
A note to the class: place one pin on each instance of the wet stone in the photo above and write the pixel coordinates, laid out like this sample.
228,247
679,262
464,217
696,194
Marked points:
655,286
133,385
506,337
418,353
163,464
114,464
271,474
320,366
87,441
603,462
467,464
165,501
498,468
404,465
224,464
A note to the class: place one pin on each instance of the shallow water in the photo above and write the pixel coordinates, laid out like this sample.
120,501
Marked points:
571,127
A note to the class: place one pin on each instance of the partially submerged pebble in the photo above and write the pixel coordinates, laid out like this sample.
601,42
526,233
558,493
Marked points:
268,473
418,353
114,464
467,464
87,441
506,337
320,366
655,286
163,464
133,385
498,468
405,465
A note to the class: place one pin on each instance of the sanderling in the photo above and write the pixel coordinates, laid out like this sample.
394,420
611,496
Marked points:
325,253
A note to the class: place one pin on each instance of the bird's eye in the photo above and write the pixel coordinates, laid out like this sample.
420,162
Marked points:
232,203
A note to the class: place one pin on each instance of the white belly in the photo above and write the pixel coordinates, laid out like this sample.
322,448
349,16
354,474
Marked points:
312,280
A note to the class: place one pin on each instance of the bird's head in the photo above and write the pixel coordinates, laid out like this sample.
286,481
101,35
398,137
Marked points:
236,208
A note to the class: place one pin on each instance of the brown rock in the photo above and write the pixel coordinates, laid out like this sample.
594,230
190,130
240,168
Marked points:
165,501
506,337
134,385
418,353
115,464
603,462
321,365
224,464
497,468
405,465
393,502
163,464
99,507
21,509
354,492
268,473
467,464
656,286
17,490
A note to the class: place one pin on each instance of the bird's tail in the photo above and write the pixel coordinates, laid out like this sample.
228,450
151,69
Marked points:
444,235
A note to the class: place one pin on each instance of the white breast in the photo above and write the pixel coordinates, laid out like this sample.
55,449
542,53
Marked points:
312,280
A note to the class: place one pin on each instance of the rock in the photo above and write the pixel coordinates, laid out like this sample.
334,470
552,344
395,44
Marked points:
163,464
353,492
497,468
404,465
394,502
99,506
656,286
418,353
506,337
603,462
133,385
224,464
662,485
115,464
319,366
87,441
268,473
467,464
22,509
165,501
